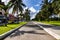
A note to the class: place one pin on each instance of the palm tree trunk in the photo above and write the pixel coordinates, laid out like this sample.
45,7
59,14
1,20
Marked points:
6,21
17,16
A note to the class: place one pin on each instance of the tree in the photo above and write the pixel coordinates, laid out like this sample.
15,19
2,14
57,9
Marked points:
17,6
55,5
45,10
27,15
3,6
40,16
48,8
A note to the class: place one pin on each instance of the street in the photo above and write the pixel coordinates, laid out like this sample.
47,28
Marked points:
30,31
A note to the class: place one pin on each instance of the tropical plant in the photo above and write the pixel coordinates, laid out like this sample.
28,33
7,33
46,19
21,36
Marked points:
49,8
17,6
45,10
3,6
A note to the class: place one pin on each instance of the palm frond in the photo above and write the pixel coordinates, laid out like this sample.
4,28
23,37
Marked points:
20,8
15,9
23,4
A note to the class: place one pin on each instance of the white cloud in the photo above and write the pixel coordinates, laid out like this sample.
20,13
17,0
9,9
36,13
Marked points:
33,12
37,5
33,16
5,1
32,9
37,11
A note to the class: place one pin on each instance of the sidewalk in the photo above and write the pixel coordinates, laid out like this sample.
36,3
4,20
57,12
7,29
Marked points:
52,30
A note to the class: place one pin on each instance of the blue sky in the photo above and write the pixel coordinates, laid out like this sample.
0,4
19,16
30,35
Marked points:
33,5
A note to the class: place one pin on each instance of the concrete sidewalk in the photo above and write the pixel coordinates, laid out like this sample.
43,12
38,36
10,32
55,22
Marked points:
52,30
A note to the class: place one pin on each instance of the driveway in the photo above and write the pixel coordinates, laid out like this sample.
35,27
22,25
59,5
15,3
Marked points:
30,31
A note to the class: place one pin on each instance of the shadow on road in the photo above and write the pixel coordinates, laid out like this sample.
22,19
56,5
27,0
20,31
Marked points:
19,33
34,26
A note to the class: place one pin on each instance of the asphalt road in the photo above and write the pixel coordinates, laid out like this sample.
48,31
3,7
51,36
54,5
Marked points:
30,31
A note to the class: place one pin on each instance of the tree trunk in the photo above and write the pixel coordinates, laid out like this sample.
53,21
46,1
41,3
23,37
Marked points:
17,16
6,21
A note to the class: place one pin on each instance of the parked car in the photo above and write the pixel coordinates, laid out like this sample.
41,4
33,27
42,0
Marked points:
3,20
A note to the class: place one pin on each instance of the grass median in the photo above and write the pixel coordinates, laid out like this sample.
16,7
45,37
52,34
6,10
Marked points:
56,23
9,27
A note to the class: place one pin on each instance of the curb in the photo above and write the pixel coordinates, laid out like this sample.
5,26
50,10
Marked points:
10,32
50,32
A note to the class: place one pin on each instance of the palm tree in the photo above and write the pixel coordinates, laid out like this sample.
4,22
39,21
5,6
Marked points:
56,6
1,4
5,7
49,8
27,15
17,6
46,9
